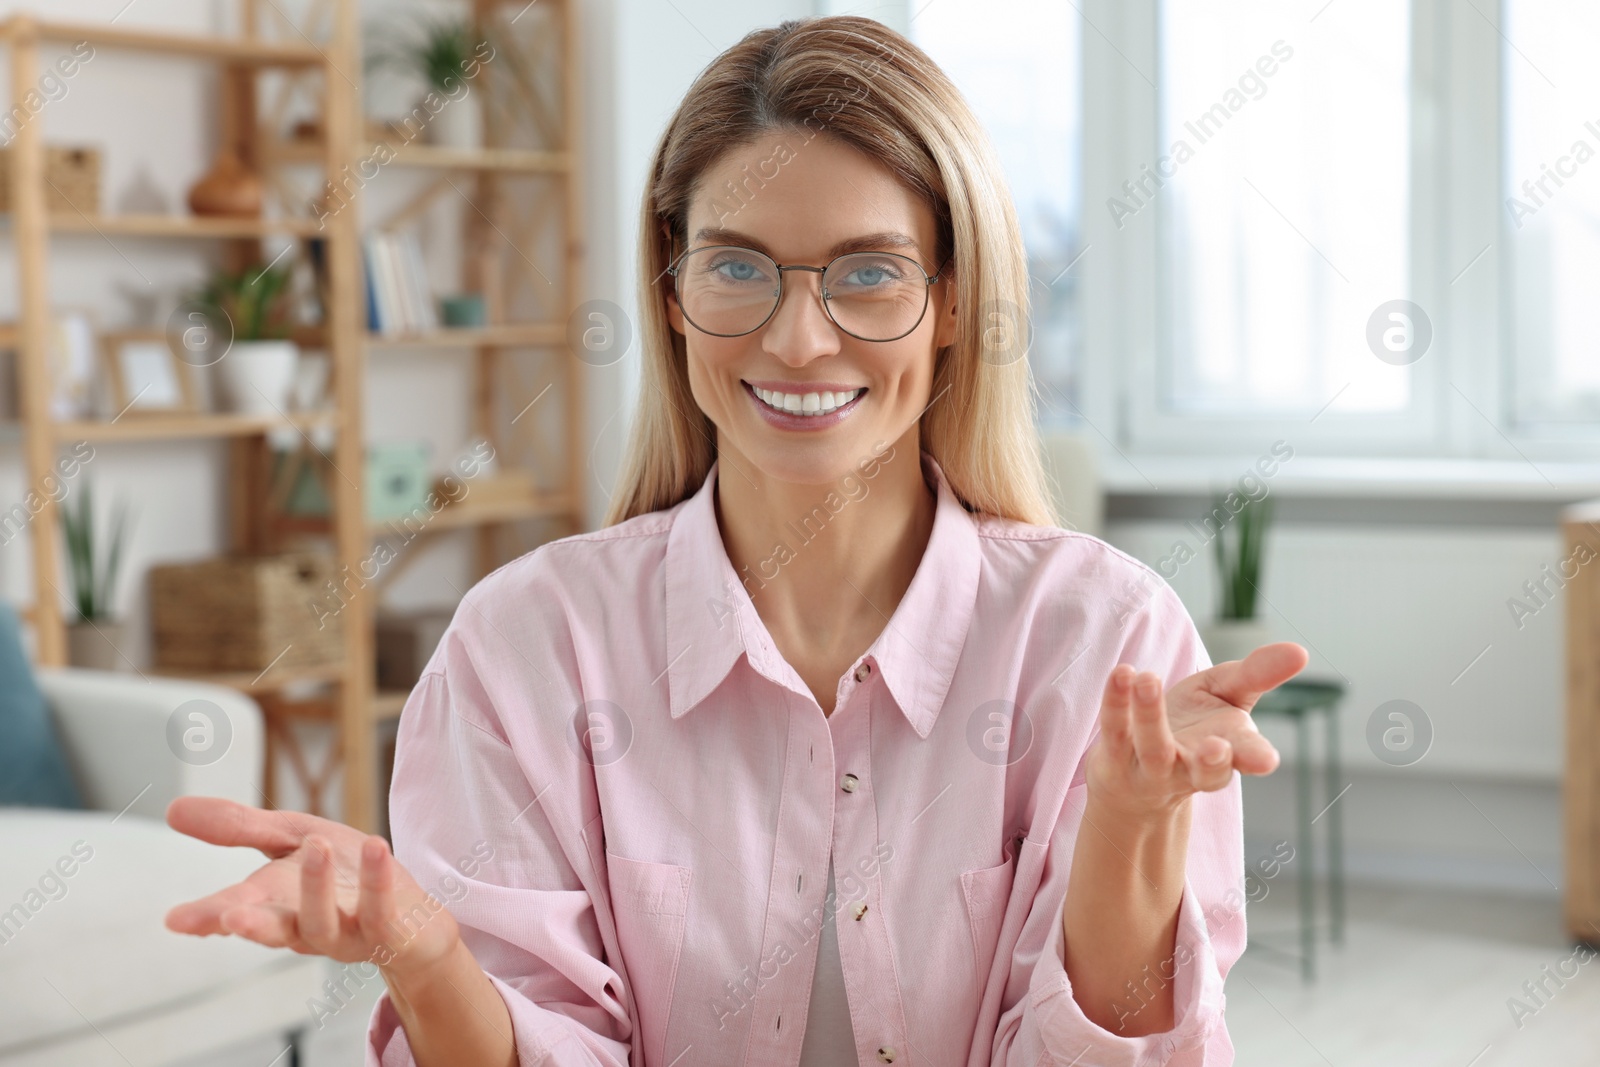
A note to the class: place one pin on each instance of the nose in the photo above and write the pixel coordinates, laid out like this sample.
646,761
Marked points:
800,330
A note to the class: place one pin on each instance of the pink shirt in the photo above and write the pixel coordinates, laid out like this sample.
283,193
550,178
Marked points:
651,894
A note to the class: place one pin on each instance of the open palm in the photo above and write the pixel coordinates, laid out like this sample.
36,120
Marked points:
1156,749
328,890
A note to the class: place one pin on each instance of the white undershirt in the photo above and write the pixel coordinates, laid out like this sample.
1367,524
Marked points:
830,1039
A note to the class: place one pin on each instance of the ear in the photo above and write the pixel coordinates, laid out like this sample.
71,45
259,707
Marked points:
674,312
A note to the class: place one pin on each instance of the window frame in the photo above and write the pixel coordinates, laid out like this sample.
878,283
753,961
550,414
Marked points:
1461,260
1148,425
1540,439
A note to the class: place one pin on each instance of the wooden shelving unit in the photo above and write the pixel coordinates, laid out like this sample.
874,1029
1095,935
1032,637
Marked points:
513,160
176,427
234,51
178,226
268,681
540,146
511,336
31,228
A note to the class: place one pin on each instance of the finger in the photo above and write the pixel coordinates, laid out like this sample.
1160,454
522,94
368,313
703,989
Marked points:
319,911
1116,709
377,903
265,924
1252,753
1152,736
219,821
203,917
1211,764
1241,682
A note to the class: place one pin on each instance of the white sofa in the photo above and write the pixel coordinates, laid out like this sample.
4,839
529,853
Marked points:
89,975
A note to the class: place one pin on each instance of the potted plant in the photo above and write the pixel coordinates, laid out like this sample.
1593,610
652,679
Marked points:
442,53
258,369
1236,632
95,637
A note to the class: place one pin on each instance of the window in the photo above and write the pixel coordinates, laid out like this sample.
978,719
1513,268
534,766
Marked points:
1283,199
1371,227
1552,205
1017,63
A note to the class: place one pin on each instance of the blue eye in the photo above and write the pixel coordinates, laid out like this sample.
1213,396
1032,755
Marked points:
742,272
877,275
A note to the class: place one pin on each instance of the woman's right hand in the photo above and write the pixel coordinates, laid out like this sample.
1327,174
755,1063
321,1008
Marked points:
328,890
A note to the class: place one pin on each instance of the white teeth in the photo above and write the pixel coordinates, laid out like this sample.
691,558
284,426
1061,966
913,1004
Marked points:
806,403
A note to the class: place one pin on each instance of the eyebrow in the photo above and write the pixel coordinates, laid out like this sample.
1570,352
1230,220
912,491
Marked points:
867,242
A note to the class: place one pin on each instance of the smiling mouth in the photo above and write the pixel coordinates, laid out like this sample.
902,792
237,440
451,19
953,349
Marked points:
805,404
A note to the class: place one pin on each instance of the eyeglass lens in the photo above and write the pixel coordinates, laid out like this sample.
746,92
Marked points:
877,296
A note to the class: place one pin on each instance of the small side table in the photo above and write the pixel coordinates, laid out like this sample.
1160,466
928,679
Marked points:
1299,700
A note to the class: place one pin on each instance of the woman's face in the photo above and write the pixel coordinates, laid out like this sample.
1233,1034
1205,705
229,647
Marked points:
799,201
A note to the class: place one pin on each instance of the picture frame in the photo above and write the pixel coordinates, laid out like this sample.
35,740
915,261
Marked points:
144,376
73,333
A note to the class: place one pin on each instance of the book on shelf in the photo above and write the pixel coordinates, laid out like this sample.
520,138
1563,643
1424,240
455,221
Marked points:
399,299
421,312
374,320
384,314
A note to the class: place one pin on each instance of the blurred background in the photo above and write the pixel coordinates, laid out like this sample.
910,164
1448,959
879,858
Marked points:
331,302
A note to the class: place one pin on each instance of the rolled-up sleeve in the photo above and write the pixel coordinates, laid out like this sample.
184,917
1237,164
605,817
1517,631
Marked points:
1045,1023
505,844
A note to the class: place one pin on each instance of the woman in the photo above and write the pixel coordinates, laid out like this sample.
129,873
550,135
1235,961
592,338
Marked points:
789,762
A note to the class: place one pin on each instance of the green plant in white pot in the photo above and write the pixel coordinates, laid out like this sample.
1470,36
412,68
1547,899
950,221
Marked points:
1236,631
95,637
257,372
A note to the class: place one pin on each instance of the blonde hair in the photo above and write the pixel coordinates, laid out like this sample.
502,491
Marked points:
872,89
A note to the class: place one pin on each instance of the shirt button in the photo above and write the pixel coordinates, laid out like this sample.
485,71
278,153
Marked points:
886,1054
858,909
862,672
849,783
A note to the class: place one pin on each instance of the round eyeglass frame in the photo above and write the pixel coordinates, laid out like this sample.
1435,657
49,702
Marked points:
822,293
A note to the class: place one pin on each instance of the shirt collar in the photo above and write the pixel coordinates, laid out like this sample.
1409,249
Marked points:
711,619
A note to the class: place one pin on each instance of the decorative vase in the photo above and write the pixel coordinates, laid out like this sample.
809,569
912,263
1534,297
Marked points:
465,311
229,189
258,377
1227,639
95,644
458,125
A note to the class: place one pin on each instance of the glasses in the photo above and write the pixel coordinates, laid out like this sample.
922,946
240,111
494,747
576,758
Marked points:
729,291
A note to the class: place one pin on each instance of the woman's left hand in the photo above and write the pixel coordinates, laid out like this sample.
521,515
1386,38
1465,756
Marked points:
1155,750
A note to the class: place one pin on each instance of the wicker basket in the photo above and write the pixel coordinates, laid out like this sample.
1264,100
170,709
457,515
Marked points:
72,179
245,613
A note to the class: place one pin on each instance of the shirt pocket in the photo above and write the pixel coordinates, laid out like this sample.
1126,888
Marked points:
650,902
987,889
